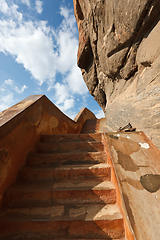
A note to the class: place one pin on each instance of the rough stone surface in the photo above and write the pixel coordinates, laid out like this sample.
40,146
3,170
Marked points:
20,128
63,207
136,162
119,55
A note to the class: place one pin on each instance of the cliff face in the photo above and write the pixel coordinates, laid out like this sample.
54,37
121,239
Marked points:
119,55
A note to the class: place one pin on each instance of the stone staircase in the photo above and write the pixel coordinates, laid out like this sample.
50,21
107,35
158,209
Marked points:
91,126
64,192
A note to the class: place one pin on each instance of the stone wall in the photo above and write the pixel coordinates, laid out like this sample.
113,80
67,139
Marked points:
119,55
21,127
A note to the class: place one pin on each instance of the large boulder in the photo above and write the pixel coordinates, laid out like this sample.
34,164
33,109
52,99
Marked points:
119,55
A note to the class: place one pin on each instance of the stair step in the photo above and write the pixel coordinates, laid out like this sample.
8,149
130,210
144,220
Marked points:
66,158
57,147
40,236
41,174
36,174
102,171
90,126
72,137
28,195
87,221
62,192
83,192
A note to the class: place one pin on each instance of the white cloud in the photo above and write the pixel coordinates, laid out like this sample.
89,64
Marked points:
38,6
21,89
8,93
9,82
13,86
61,93
3,6
67,104
43,51
75,81
27,2
100,114
11,10
6,99
33,45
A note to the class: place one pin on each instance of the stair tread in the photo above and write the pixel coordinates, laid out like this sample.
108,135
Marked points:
79,184
67,153
67,167
50,173
72,137
82,166
66,158
65,184
99,212
74,142
58,147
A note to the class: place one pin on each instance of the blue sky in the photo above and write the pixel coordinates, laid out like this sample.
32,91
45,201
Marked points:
38,55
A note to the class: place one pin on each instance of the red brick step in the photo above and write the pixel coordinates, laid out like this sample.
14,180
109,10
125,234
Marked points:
49,174
28,195
88,221
55,159
57,147
62,192
72,137
83,192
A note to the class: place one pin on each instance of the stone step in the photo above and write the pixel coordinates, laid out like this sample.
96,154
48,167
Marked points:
54,159
40,236
28,195
96,137
83,192
91,126
58,147
62,192
36,174
50,174
91,171
67,222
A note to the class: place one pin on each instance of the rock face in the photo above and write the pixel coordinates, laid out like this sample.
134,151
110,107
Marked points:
119,55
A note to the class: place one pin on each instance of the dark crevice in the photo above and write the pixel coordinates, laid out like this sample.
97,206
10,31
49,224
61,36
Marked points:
146,64
113,28
119,48
85,60
95,80
79,11
132,73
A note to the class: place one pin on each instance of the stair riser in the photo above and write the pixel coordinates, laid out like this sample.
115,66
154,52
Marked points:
30,175
102,173
65,229
64,159
72,138
15,199
33,175
49,147
84,197
23,198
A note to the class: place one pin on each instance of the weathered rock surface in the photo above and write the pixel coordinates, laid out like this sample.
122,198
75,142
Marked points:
119,55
